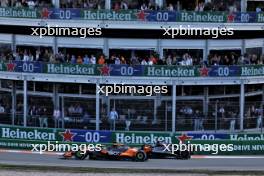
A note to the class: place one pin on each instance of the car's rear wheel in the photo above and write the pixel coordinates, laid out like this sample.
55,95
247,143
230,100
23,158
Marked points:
141,156
80,155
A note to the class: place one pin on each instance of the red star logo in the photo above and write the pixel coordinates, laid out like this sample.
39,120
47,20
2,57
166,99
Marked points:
105,70
45,13
204,71
184,137
230,18
67,135
142,15
11,67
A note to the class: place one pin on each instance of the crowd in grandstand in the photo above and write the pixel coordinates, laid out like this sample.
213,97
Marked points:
87,4
46,55
26,3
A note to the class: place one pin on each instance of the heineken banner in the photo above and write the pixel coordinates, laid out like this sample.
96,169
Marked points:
22,133
256,70
121,15
50,134
133,15
19,12
216,17
171,71
72,69
239,144
136,70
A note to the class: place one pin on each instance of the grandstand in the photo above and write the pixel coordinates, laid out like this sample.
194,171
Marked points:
213,84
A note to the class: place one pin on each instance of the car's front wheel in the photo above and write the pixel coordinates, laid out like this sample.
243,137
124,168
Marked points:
140,156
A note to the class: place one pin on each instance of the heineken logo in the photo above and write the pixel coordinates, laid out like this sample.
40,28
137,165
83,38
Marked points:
133,138
252,71
107,15
33,134
18,13
260,17
70,69
201,17
245,137
171,71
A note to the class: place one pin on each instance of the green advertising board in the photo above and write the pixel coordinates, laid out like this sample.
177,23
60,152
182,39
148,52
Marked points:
19,12
73,69
171,71
16,137
253,70
120,15
214,17
32,134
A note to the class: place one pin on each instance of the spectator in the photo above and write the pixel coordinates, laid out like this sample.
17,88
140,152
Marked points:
78,109
124,5
258,9
86,59
86,119
26,57
144,7
117,61
169,60
57,118
113,116
170,7
24,3
79,60
31,4
71,110
73,59
123,60
116,6
101,60
43,119
4,3
199,7
93,59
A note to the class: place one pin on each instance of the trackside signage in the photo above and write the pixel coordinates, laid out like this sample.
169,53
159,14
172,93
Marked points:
257,70
202,17
124,15
74,69
247,137
141,138
170,71
19,13
27,134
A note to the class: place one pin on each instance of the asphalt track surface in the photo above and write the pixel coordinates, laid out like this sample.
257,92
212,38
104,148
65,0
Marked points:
248,163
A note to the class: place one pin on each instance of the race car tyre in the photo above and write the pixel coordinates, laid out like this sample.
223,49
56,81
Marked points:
185,155
140,156
79,155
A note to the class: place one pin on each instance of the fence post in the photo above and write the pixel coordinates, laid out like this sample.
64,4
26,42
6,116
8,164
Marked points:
173,120
241,105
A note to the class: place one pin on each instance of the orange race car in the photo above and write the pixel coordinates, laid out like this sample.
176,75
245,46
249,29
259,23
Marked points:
114,152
